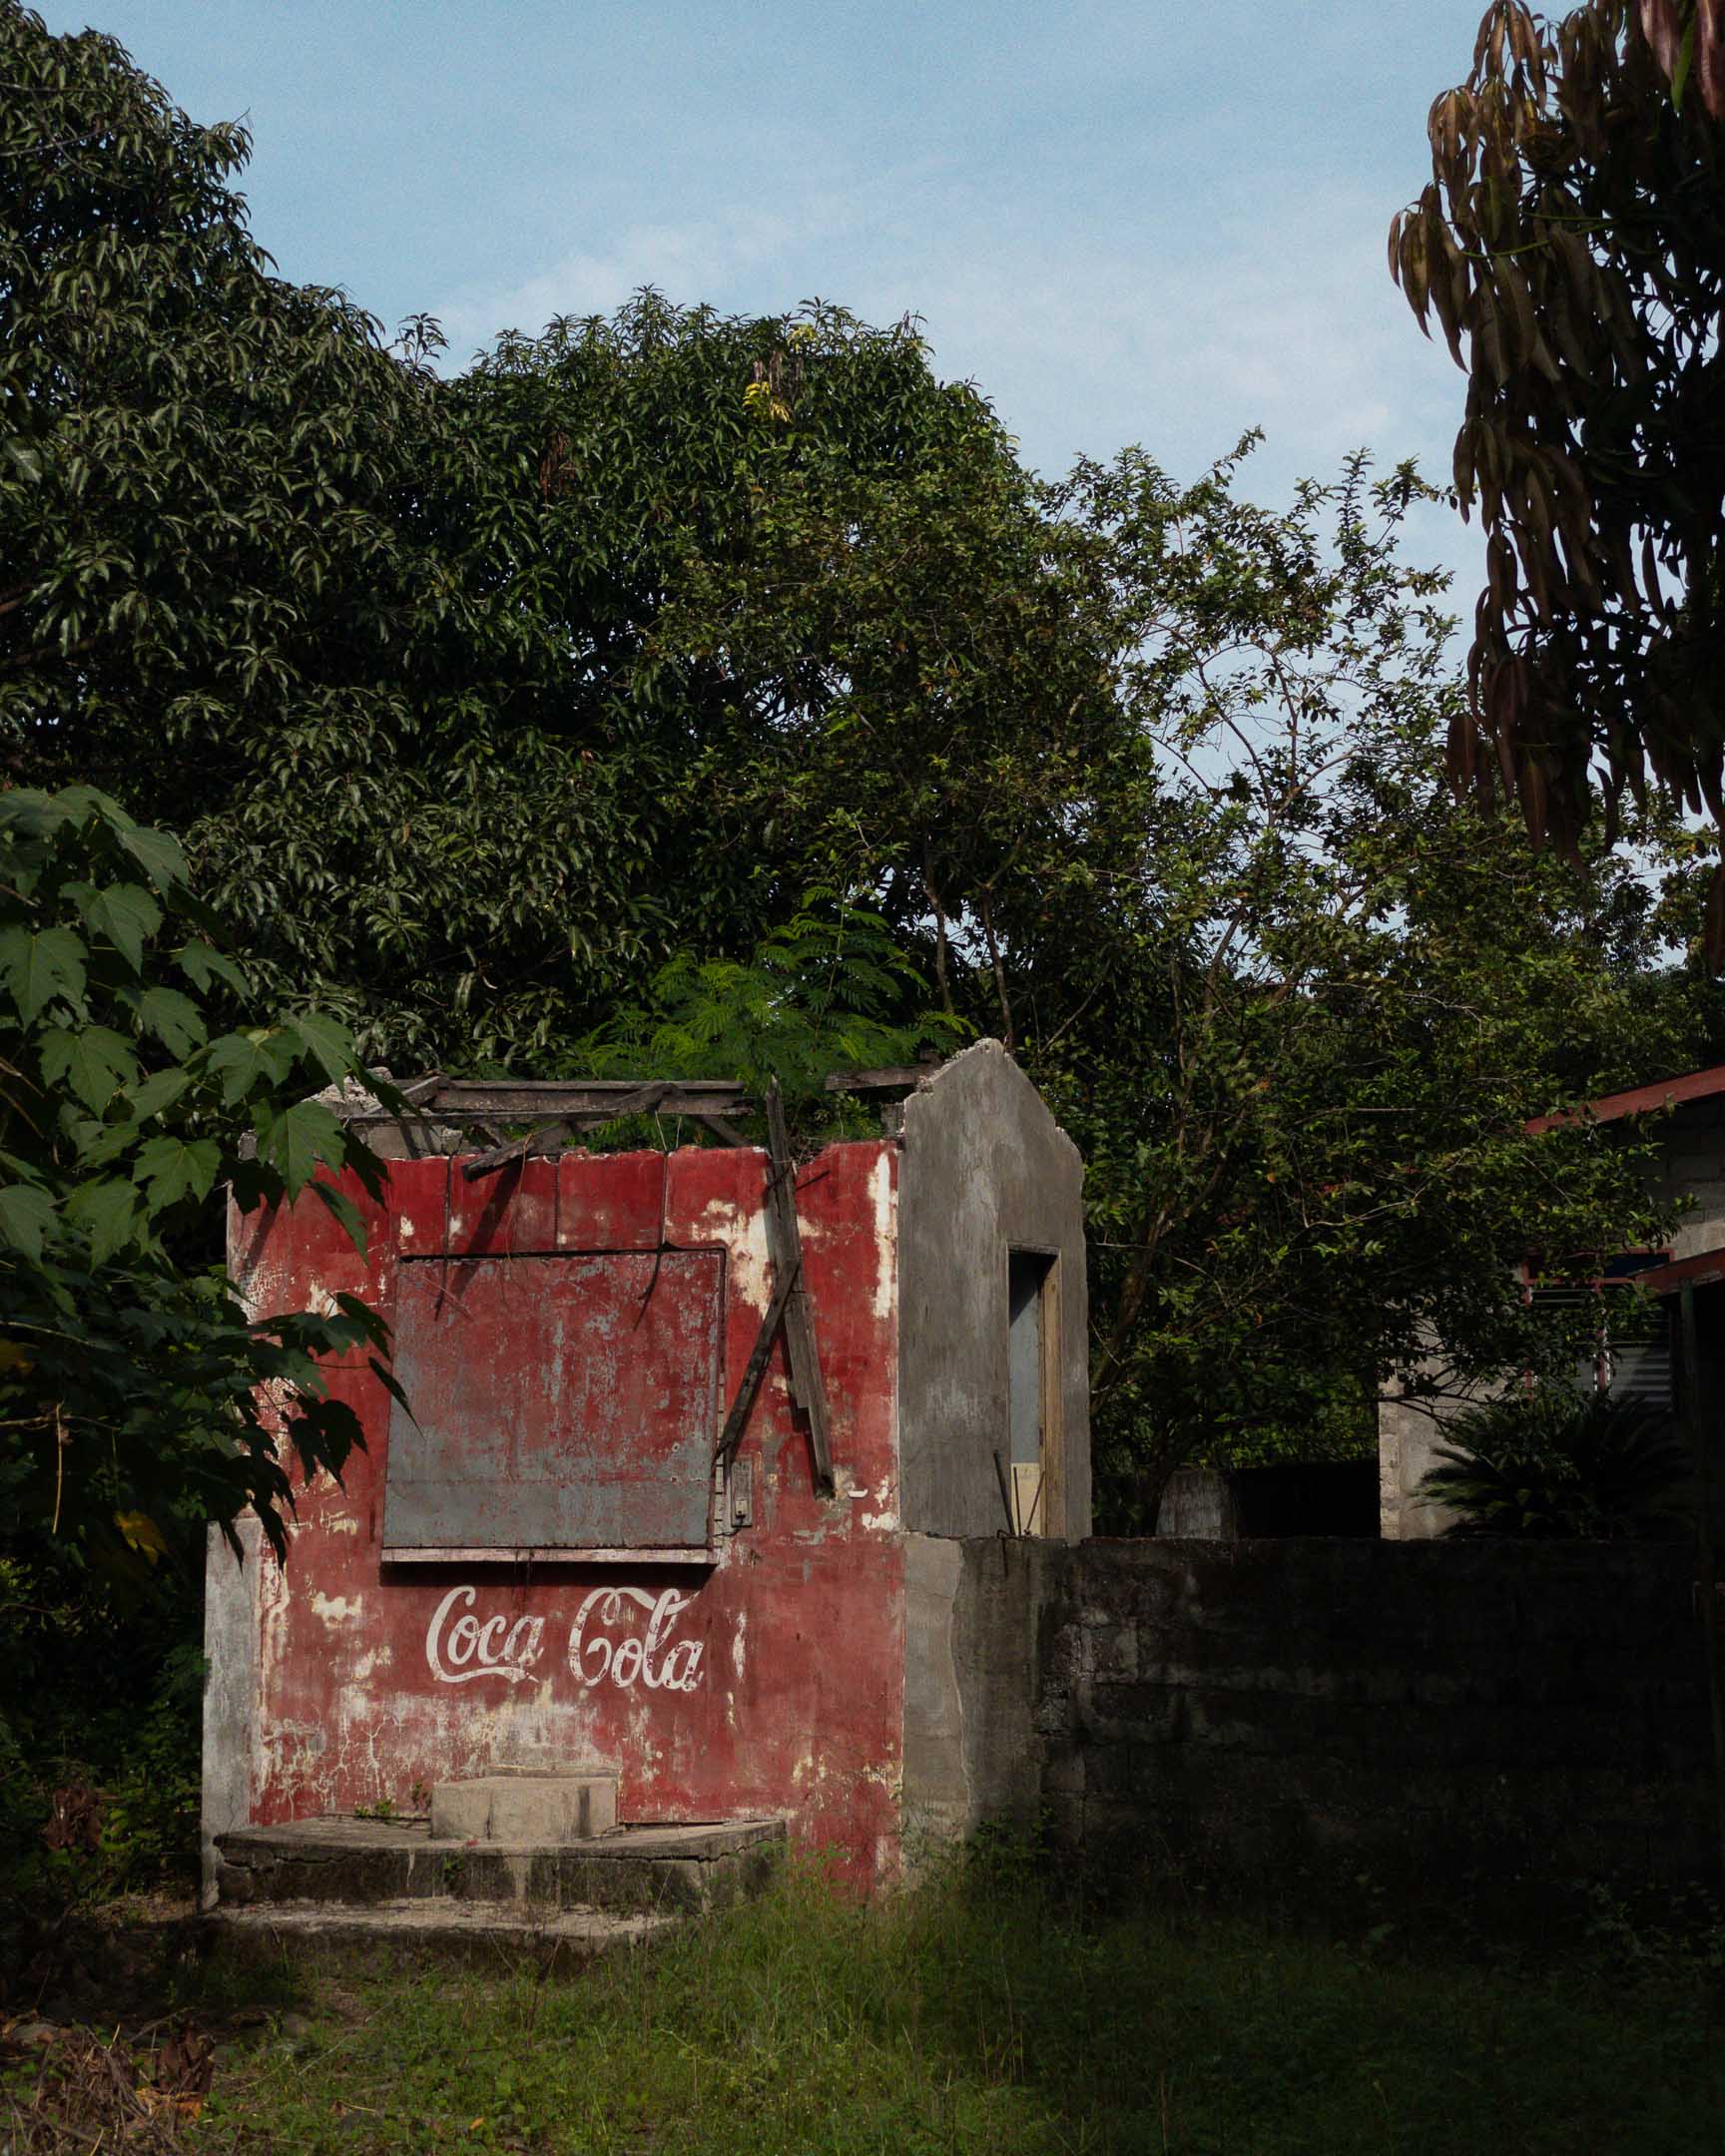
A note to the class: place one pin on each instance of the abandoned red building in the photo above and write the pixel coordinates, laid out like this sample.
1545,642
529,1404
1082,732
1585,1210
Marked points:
675,1501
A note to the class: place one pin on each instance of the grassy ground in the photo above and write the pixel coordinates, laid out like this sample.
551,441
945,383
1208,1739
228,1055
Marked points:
965,2020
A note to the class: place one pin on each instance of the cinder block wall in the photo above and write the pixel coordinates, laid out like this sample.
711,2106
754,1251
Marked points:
1280,1710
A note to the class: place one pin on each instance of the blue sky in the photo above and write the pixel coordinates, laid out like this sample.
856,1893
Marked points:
1151,223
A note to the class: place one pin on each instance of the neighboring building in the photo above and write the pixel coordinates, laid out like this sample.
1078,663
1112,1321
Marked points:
1635,1359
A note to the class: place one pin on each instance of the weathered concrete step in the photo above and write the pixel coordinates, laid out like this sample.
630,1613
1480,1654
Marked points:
356,1863
437,1924
521,1806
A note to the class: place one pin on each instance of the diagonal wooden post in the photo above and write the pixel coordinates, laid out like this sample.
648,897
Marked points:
784,1243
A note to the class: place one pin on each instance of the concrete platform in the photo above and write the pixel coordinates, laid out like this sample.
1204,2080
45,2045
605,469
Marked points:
346,1864
450,1929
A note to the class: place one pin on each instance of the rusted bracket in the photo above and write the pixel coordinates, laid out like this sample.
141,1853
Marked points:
731,1436
784,1243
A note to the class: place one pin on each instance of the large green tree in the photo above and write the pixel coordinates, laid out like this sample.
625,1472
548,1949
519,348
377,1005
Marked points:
1336,993
504,710
565,664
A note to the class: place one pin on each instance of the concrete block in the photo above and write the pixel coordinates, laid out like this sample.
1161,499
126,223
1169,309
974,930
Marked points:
525,1808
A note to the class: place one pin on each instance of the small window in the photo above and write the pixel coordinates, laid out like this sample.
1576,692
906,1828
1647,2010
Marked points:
1032,1389
1628,1354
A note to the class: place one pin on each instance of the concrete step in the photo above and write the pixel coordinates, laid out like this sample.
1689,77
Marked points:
437,1924
345,1863
523,1806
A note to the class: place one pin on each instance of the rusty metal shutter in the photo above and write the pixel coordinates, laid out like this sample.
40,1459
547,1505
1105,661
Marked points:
566,1402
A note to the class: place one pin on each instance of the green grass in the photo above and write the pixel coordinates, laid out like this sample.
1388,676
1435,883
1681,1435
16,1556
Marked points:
957,2021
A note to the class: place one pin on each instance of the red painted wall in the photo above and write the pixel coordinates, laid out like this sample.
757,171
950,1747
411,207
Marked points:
772,1681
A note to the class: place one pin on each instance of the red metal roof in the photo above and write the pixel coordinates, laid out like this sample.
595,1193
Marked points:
1701,1271
1642,1100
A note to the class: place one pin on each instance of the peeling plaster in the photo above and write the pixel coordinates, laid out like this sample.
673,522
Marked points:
341,1639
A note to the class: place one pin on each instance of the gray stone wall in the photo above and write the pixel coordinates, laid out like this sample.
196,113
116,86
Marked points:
1284,1711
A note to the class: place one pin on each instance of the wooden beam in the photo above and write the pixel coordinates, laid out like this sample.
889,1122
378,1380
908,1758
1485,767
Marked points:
453,1100
879,1081
731,1436
784,1241
566,1104
485,1164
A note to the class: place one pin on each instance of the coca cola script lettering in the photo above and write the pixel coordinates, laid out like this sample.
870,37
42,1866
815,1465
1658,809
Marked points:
621,1636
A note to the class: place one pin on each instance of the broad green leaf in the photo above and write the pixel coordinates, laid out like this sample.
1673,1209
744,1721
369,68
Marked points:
25,457
124,913
328,1044
37,966
27,809
391,1385
159,1090
110,1212
203,962
26,1214
243,1061
294,1141
174,1019
156,854
92,1060
173,1168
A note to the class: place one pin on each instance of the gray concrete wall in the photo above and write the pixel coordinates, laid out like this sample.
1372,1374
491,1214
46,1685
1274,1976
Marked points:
986,1169
1408,1434
972,1616
1294,1714
231,1737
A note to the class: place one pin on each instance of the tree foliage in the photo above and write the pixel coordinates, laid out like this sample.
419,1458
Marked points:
561,662
138,1397
1572,240
1336,994
511,716
821,994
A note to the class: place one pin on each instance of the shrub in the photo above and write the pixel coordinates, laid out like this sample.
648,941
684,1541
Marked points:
1550,1463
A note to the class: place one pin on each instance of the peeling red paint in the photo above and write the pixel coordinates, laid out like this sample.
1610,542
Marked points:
771,1680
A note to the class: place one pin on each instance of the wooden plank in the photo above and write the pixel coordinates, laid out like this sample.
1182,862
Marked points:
784,1241
587,1096
731,1436
879,1081
571,1105
485,1164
